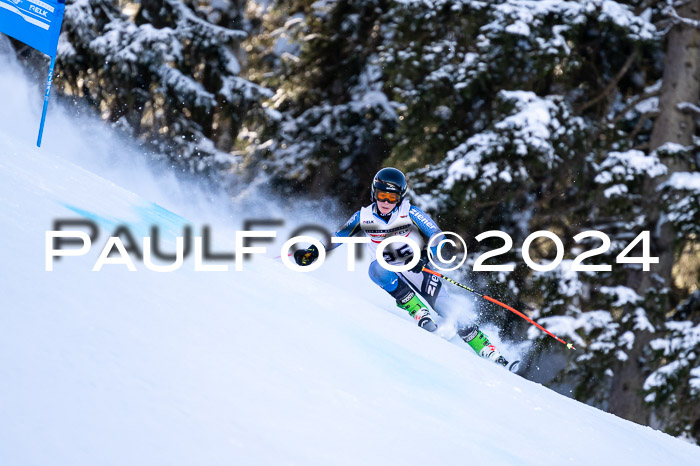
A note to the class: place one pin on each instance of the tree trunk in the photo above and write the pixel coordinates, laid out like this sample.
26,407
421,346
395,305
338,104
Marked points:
681,83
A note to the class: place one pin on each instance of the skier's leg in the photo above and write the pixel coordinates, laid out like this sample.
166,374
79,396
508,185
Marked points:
480,343
428,286
405,297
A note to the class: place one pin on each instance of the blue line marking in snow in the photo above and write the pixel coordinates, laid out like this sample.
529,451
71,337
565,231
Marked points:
103,222
171,225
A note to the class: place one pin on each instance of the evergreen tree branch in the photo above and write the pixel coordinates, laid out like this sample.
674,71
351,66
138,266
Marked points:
687,107
640,123
642,147
612,84
675,18
640,98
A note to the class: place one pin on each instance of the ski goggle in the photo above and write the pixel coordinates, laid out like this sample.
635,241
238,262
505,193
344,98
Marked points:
388,197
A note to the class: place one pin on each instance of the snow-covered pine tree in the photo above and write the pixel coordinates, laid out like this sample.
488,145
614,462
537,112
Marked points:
166,71
330,121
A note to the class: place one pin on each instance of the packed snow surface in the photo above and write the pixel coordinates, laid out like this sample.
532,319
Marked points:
259,366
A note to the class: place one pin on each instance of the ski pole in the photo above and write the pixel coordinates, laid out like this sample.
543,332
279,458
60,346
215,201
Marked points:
495,301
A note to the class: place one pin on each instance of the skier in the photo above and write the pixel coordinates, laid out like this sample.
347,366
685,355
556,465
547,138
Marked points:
390,214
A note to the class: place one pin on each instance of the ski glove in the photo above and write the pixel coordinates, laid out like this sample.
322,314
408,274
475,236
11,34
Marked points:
421,263
306,256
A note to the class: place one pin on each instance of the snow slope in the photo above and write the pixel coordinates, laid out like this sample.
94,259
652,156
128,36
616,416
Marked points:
262,366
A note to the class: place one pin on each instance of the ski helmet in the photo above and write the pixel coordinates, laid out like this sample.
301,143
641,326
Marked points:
390,180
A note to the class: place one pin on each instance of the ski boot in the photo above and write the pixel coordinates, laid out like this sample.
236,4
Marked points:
480,343
415,307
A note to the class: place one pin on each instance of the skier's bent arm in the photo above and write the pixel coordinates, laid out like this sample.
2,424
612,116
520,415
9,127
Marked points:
428,228
350,228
